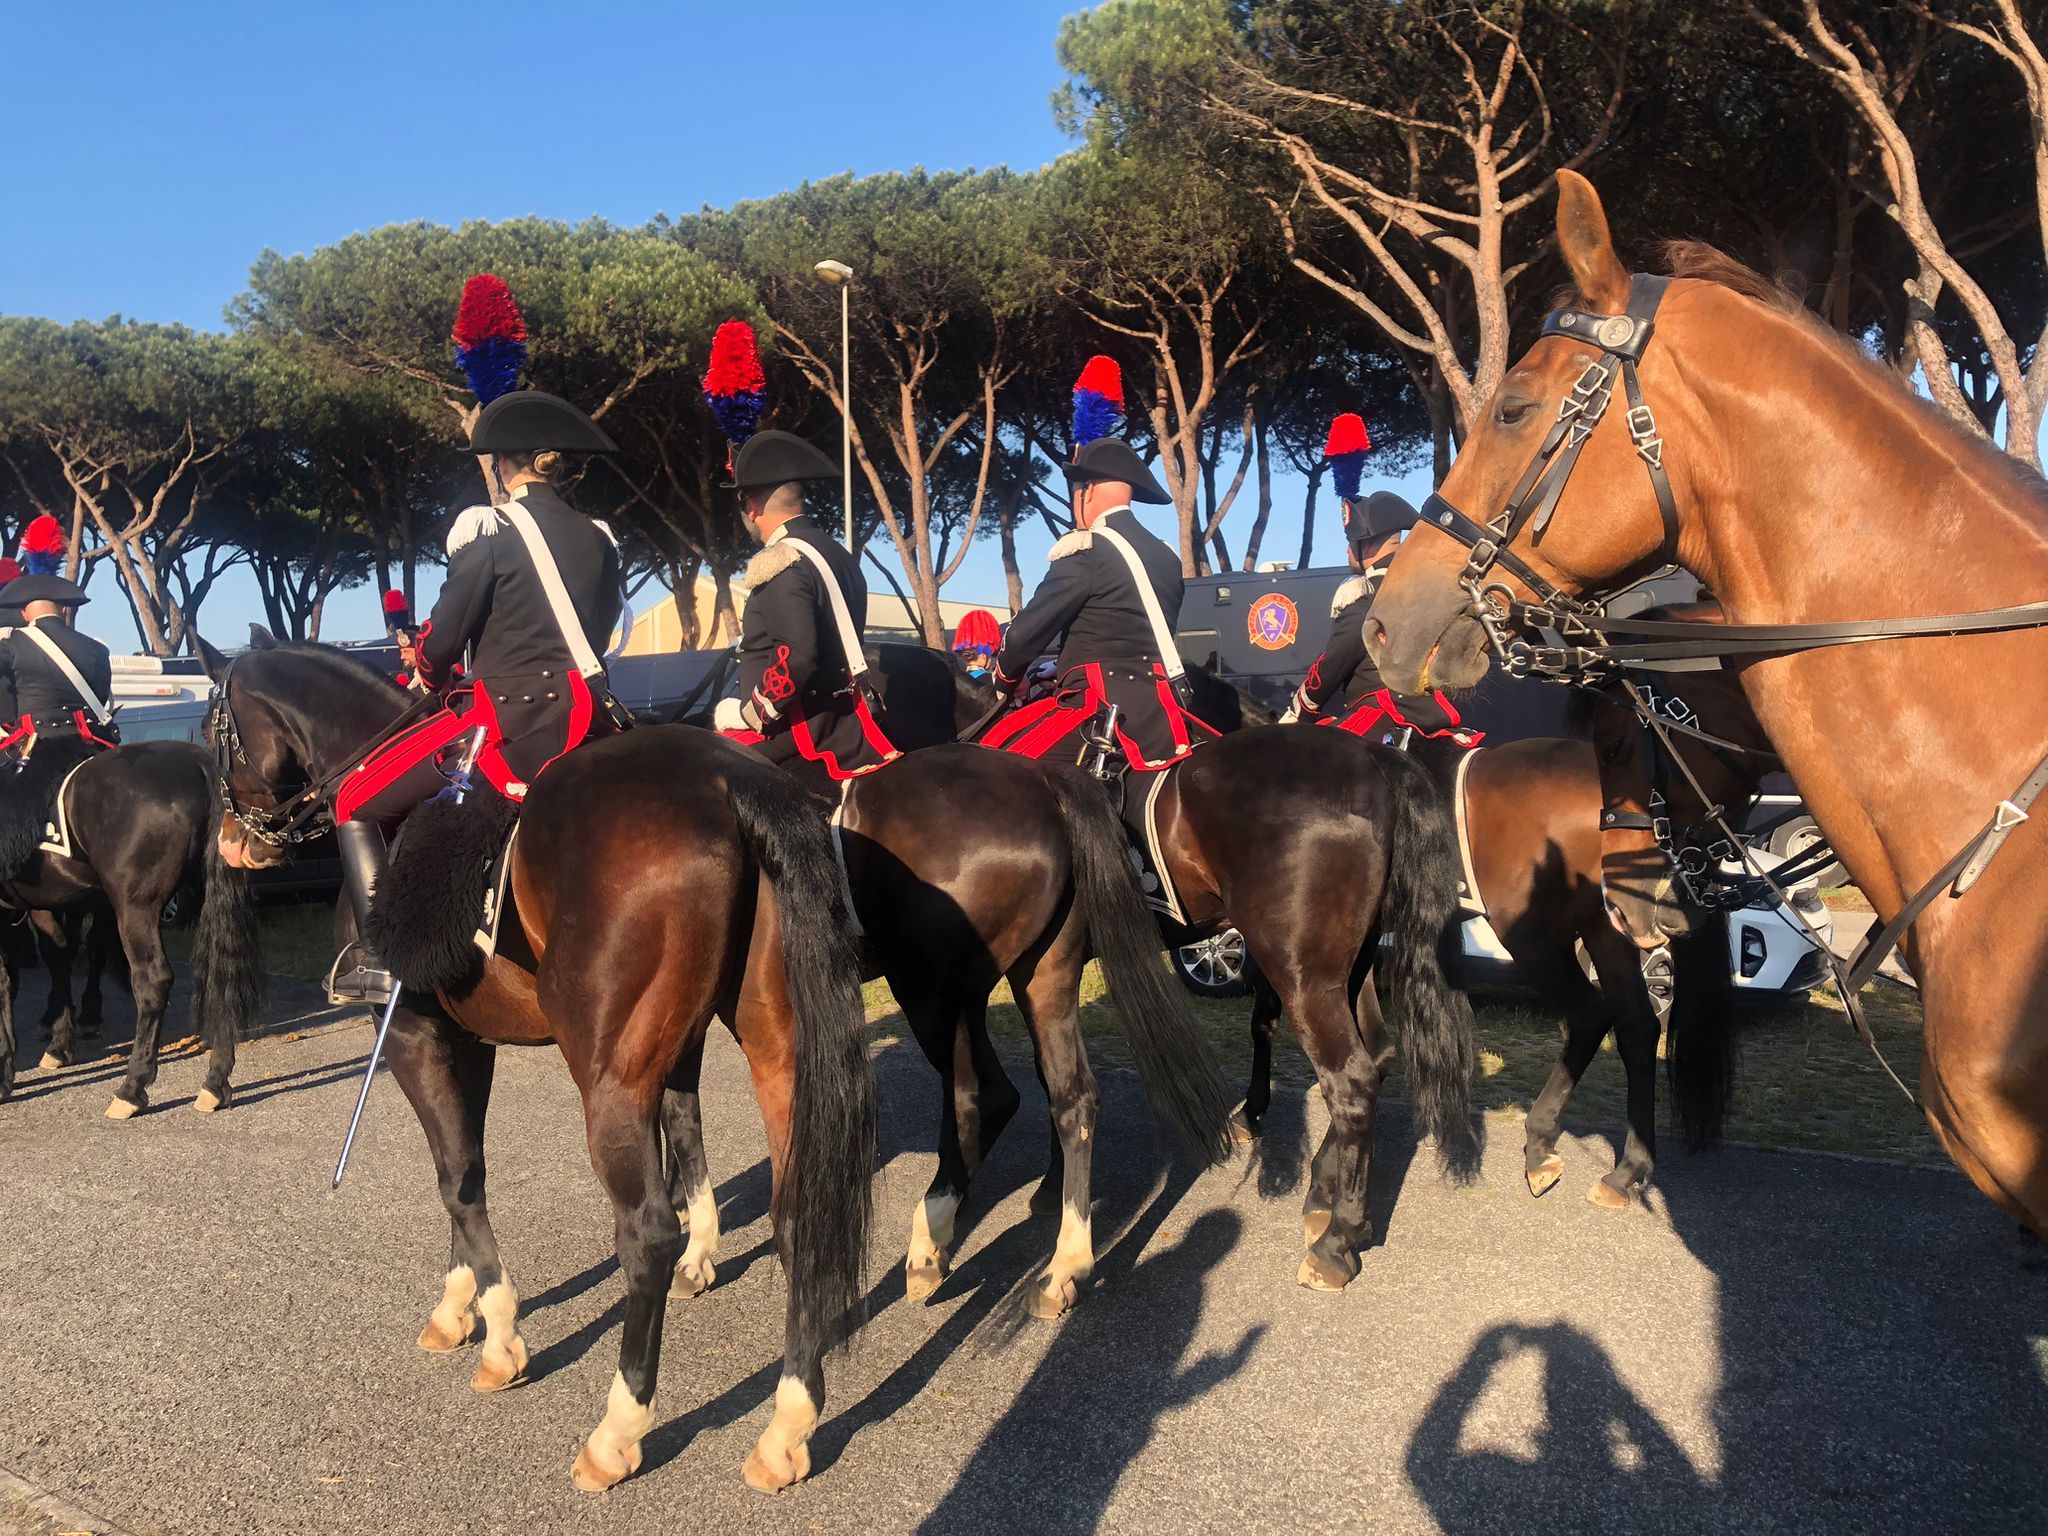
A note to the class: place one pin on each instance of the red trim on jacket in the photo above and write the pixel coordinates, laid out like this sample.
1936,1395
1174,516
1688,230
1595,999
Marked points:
1043,724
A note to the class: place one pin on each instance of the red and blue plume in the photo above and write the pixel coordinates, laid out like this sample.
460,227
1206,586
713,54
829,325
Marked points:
490,338
1098,401
734,385
978,632
43,546
1346,450
397,611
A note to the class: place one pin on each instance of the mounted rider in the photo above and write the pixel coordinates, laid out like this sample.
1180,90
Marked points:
55,683
532,596
1111,594
803,683
1343,687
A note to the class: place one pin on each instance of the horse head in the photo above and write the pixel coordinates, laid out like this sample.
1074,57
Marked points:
1425,630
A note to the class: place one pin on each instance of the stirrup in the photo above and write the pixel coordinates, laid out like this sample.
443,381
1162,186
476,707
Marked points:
366,983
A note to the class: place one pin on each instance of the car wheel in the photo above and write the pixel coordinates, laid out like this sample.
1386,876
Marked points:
1795,837
1215,966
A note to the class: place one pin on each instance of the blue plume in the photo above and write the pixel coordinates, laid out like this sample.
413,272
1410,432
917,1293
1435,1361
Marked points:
738,414
1095,415
1346,470
492,366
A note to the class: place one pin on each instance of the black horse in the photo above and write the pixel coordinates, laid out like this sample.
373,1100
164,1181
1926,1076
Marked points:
661,878
141,821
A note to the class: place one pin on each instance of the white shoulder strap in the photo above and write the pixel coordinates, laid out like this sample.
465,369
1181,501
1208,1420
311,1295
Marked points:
586,659
842,616
94,704
1162,632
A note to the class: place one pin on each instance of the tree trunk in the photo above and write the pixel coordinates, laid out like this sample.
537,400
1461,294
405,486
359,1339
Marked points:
1257,538
1308,517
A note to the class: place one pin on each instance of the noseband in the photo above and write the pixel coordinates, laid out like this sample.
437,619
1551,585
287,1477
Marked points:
298,816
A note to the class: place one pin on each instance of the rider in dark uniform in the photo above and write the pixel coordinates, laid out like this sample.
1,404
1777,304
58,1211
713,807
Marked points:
525,687
1111,649
799,698
1343,687
37,699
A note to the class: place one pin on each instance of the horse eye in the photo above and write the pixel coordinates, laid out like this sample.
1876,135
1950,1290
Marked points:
1512,412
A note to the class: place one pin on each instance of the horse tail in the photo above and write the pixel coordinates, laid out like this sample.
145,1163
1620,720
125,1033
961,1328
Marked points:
1182,1081
227,954
1418,917
1700,1049
824,1203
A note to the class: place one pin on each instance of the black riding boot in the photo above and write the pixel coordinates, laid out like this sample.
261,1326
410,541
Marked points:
362,864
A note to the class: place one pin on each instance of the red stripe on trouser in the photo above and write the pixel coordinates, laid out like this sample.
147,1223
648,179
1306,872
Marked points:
390,762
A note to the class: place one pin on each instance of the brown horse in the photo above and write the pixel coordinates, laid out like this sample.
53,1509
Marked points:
661,878
1805,485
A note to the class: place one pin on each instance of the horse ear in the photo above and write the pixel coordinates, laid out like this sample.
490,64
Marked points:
216,664
261,639
1588,248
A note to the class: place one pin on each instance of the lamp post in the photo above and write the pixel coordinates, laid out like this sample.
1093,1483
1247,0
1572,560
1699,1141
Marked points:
840,276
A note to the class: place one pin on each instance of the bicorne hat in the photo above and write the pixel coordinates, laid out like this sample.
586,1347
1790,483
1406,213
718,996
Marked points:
529,421
776,458
24,590
1374,517
1111,458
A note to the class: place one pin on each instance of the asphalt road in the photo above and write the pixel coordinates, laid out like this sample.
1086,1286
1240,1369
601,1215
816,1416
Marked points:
199,1337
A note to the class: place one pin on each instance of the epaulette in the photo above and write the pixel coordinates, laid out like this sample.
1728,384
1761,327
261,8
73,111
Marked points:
1352,590
476,523
1072,544
771,563
605,528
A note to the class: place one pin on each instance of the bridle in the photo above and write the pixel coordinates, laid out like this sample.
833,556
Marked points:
1588,654
298,813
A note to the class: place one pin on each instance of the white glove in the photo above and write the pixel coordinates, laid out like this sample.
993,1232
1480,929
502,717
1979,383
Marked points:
1289,716
726,716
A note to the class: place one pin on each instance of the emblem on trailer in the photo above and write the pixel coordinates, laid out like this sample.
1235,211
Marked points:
1273,622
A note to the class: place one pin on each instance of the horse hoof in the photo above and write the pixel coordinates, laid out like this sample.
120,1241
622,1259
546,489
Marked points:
695,1276
1046,1199
124,1109
1607,1197
437,1340
1544,1176
1052,1297
506,1367
770,1470
1320,1274
1243,1129
52,1062
1313,1225
209,1102
596,1470
920,1280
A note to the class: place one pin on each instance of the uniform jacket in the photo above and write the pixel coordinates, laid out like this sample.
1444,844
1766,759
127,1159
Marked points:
795,687
30,683
493,600
1344,678
1090,603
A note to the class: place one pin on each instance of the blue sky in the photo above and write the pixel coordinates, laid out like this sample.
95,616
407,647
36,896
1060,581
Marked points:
155,150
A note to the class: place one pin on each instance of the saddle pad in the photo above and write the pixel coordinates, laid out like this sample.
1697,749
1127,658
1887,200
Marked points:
1469,900
1146,858
57,830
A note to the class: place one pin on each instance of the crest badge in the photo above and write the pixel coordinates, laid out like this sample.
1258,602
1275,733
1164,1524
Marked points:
1273,622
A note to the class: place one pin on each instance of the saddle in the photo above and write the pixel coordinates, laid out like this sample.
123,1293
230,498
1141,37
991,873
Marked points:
437,912
32,814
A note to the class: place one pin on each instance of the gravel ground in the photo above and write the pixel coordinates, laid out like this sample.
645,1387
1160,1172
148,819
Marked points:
200,1337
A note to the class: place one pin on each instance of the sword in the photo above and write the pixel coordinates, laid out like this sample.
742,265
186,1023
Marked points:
460,784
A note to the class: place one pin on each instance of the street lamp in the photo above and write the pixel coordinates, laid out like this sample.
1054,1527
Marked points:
840,276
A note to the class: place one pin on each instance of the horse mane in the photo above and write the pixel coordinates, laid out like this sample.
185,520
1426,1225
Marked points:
1701,262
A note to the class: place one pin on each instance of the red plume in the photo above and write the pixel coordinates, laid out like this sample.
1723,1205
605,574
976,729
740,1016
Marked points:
487,312
395,603
1347,435
9,569
1102,375
44,536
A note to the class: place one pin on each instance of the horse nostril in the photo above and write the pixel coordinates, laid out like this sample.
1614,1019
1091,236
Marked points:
1376,632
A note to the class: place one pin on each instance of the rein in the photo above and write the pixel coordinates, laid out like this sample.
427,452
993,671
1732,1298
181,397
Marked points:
300,815
1585,654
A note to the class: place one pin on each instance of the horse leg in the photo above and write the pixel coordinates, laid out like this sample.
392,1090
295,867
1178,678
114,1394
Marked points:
1586,1022
625,1149
1349,1052
1049,992
977,1099
55,947
150,980
445,1073
8,976
1248,1118
99,949
689,1173
1635,1039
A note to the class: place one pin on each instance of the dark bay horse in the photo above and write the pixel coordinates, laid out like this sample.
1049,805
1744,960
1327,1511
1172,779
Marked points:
661,878
141,820
1806,485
